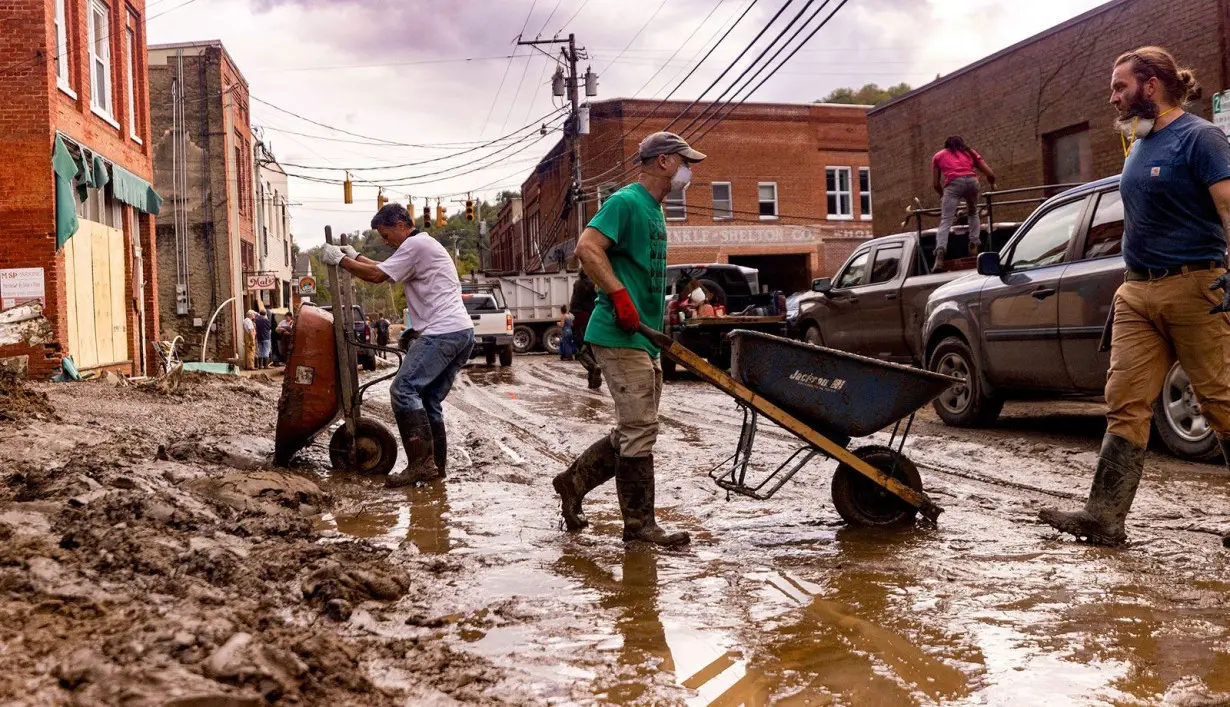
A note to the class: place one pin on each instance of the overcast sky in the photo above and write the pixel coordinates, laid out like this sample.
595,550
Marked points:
394,70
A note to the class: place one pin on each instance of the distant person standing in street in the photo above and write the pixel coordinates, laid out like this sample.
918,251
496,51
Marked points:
567,346
624,250
584,299
286,334
249,340
955,178
264,339
446,333
382,332
1176,207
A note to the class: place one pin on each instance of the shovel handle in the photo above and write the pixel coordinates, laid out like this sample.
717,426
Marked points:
658,338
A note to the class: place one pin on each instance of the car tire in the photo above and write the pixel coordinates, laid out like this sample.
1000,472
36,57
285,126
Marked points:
811,335
551,340
506,355
489,355
524,339
962,405
1180,426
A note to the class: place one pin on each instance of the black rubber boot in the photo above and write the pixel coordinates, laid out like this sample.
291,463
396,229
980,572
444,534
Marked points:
1114,487
586,357
592,469
439,446
415,430
634,482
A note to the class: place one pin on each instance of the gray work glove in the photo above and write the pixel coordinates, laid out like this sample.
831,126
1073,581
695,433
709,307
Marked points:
331,255
350,252
1222,283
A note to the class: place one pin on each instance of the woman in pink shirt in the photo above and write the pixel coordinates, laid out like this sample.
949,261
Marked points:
956,169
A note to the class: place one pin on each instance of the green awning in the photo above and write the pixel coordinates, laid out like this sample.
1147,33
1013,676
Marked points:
65,169
134,191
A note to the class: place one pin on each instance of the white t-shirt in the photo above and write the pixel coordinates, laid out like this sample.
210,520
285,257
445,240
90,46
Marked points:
433,291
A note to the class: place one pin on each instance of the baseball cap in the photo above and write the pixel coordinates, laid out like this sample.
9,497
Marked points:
668,144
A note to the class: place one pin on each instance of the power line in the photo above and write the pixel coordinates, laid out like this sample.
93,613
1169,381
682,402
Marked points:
574,16
381,65
681,46
635,36
495,99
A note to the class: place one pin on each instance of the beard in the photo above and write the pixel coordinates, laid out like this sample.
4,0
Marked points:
1137,116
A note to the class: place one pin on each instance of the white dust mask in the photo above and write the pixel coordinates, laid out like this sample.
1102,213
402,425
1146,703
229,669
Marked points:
682,178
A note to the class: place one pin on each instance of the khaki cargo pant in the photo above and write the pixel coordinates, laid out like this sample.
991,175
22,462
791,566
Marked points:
1157,322
635,382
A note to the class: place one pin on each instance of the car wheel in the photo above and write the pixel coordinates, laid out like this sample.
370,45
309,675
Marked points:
489,355
551,340
1179,423
812,336
506,356
963,404
524,339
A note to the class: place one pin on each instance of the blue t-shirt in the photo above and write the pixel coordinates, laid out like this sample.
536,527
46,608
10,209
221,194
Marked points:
1169,218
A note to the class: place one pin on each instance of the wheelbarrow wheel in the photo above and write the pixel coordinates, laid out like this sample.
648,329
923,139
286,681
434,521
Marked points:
377,448
861,501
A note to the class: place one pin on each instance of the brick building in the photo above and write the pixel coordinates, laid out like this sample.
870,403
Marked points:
273,228
77,207
204,166
1038,111
508,238
786,188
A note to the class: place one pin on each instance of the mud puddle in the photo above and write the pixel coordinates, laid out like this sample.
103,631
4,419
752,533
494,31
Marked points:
778,601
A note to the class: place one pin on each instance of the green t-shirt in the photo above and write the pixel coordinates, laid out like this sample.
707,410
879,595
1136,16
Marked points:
633,220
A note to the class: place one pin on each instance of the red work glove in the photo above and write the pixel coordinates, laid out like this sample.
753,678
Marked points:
626,316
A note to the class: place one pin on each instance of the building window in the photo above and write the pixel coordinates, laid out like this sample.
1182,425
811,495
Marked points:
864,193
61,23
1067,156
768,200
723,205
100,58
837,186
130,47
675,206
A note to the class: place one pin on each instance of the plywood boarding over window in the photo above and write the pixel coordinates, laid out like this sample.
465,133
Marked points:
97,321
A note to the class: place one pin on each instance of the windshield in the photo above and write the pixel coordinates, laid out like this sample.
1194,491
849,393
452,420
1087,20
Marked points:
484,291
481,304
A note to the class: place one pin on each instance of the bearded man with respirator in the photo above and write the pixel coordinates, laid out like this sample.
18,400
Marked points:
624,251
1175,189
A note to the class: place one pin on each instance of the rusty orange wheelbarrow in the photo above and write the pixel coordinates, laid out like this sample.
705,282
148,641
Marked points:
322,382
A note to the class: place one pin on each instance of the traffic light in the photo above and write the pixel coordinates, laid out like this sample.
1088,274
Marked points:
426,216
469,209
441,217
347,190
381,199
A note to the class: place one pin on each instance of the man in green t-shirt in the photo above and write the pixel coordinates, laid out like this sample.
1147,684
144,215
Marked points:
624,250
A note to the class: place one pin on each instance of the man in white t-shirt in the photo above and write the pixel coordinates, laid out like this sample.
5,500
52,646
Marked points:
437,313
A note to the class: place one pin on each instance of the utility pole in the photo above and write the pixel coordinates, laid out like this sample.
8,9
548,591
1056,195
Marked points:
573,131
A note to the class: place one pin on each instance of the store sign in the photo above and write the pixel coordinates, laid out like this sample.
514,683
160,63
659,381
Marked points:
1221,112
261,281
758,235
307,286
21,285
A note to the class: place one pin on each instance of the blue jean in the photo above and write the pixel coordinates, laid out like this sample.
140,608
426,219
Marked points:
428,372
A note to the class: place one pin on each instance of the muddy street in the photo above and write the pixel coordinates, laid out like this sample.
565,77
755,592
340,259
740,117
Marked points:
151,553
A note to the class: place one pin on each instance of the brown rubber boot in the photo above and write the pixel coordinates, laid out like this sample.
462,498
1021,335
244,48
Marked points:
415,430
439,445
1114,487
1225,452
940,253
634,482
593,468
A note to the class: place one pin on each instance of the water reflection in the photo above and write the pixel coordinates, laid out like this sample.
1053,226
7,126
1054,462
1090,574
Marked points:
429,514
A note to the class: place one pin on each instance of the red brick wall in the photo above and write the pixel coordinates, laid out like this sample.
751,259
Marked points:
32,110
1004,105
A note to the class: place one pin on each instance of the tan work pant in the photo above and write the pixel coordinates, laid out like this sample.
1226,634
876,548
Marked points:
635,382
1157,322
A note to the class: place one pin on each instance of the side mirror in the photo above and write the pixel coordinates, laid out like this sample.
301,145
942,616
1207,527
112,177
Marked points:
988,264
823,285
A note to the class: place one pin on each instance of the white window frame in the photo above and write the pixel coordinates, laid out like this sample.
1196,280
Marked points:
102,102
683,203
729,213
838,193
760,201
864,195
61,26
130,41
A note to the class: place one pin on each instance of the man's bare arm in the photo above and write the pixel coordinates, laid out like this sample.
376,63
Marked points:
365,269
591,250
1220,191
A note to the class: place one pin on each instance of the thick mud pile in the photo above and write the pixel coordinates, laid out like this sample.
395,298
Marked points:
148,558
20,403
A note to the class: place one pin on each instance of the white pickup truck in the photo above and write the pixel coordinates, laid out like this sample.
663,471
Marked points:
493,323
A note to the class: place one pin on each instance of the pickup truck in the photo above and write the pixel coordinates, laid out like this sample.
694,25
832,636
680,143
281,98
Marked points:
493,323
874,306
734,288
362,332
1029,323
